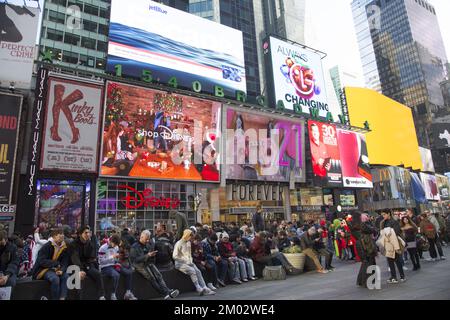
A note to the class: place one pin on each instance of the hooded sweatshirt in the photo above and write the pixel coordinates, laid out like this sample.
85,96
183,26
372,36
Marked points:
182,251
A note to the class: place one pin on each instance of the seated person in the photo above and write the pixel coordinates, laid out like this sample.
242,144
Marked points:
9,261
283,241
213,258
308,241
236,268
199,259
241,249
142,256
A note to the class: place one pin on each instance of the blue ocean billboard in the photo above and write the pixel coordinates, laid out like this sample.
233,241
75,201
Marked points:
175,46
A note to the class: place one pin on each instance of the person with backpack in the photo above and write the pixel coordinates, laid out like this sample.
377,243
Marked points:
164,248
428,229
410,231
367,250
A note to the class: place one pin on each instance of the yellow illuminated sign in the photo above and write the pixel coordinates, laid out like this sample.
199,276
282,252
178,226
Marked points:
393,139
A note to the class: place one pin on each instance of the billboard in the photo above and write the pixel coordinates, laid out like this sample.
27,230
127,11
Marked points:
427,159
443,186
430,186
71,127
264,148
298,79
10,110
441,135
172,43
17,44
354,159
325,157
392,140
153,134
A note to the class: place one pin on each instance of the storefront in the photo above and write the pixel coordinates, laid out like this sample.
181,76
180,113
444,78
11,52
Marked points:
307,204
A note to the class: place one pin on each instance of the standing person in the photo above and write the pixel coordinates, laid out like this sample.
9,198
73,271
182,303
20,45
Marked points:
410,231
367,250
442,229
108,257
213,258
9,261
428,229
182,255
142,256
209,272
83,253
257,220
307,242
390,243
51,264
181,222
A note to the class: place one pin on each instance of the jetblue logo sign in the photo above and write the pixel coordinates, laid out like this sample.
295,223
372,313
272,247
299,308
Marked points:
157,9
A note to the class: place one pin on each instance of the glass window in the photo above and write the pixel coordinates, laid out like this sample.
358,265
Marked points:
91,10
89,25
72,39
88,43
103,29
102,46
56,17
70,57
55,35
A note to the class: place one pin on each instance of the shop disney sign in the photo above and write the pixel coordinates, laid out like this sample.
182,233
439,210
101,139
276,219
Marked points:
136,199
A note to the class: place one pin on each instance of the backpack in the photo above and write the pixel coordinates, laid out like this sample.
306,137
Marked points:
165,251
274,273
429,230
368,245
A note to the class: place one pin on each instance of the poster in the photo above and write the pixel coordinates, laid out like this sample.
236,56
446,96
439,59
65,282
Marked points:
60,203
17,44
71,129
354,159
264,148
152,134
443,186
173,43
430,186
10,111
325,157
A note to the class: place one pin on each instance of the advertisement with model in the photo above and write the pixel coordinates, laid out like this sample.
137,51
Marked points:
298,79
71,127
354,159
10,110
264,148
153,134
170,43
17,44
430,186
325,157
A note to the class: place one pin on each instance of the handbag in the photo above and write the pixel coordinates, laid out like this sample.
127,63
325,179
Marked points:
271,273
422,243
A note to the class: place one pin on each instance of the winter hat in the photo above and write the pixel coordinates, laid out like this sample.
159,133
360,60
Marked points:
225,235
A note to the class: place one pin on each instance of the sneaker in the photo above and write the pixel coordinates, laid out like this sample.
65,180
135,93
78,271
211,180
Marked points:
221,283
429,259
322,271
443,258
211,286
253,278
129,296
102,298
405,268
209,292
392,281
389,269
202,291
331,268
244,280
402,279
167,297
113,296
174,293
237,281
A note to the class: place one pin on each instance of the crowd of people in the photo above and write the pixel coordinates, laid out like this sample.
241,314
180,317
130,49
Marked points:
214,256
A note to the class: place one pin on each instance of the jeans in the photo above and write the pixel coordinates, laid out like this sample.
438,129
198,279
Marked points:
396,262
192,271
96,276
115,276
233,269
58,284
152,274
250,267
242,269
362,275
414,256
209,272
433,244
220,268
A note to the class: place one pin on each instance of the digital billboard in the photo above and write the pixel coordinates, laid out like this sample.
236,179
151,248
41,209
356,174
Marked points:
443,186
325,157
18,25
173,43
354,159
264,148
392,139
441,135
152,134
71,127
430,186
298,79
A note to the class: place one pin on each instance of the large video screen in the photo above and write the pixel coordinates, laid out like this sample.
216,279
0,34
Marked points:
153,134
264,148
172,43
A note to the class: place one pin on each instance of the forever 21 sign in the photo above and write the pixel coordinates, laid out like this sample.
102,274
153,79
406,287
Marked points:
261,192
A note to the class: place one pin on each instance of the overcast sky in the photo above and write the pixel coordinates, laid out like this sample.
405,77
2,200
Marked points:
330,28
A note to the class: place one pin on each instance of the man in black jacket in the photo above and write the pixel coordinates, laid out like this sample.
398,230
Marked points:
307,241
83,253
51,264
257,220
142,256
9,261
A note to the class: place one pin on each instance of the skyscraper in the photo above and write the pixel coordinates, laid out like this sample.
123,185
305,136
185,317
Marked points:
403,56
76,42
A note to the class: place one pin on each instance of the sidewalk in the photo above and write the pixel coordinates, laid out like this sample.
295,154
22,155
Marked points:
431,282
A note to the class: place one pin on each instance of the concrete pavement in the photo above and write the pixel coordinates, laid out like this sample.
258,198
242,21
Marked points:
431,282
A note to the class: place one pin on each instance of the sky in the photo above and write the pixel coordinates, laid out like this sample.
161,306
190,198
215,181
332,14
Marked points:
329,28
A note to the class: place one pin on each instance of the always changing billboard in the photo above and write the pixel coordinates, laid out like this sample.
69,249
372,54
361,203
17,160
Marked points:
298,79
172,43
72,124
430,186
354,159
18,25
264,148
